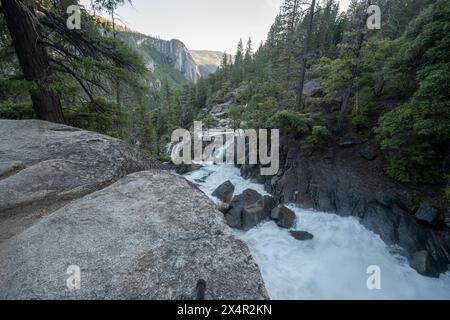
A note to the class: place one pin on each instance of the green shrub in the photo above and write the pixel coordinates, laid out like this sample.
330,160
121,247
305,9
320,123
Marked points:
415,164
290,123
316,140
102,116
16,111
235,115
363,110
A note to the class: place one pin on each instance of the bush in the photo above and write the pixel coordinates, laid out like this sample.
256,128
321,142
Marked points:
316,140
16,111
102,116
415,164
364,109
235,115
259,113
290,123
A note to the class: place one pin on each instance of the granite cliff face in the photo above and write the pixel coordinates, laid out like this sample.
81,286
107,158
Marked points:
176,54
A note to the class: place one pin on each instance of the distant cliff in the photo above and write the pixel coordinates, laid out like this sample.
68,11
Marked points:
166,60
178,54
208,61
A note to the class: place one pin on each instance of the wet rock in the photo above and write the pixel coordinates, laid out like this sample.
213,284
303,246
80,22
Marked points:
224,207
427,213
301,235
234,215
224,192
381,221
284,216
254,214
419,262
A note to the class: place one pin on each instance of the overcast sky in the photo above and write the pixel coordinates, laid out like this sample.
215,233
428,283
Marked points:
203,24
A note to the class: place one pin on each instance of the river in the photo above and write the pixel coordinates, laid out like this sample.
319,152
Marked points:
331,266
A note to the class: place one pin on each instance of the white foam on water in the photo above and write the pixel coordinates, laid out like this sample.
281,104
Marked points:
331,266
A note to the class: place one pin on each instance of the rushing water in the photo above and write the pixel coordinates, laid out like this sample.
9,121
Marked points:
331,266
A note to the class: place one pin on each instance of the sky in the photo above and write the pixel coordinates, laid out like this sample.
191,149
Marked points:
203,24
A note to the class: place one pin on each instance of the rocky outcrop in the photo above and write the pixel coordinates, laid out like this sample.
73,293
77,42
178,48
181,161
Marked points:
45,165
68,201
151,235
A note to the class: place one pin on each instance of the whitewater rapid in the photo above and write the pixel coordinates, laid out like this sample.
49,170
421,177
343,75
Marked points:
331,266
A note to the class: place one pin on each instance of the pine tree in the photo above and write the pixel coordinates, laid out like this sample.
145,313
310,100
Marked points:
239,54
304,58
248,51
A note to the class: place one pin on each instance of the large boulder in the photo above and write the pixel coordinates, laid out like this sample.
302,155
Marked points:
151,235
284,216
45,165
224,192
249,209
255,213
234,215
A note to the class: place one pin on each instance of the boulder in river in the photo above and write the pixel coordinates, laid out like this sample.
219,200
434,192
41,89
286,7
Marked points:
249,209
224,192
255,213
301,235
234,215
284,216
420,262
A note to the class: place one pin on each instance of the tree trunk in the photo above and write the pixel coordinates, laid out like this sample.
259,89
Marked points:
113,18
33,58
299,97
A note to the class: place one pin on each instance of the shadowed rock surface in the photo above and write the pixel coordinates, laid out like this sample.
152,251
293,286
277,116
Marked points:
144,237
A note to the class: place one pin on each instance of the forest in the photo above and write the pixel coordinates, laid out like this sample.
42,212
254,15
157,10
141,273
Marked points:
390,84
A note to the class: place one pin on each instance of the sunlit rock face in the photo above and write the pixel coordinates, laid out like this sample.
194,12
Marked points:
179,56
